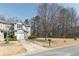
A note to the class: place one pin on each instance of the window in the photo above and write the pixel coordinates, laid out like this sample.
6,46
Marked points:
19,26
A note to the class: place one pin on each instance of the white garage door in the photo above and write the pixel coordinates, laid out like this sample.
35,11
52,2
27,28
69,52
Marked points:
20,36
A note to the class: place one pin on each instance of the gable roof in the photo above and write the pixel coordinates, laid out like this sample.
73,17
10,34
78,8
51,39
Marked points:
7,22
13,22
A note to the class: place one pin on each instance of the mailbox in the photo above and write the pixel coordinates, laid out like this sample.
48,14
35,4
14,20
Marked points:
49,42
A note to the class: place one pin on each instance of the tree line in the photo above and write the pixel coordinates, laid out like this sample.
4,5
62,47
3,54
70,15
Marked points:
54,20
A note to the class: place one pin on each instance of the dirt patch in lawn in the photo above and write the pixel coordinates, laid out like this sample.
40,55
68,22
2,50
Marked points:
14,47
56,42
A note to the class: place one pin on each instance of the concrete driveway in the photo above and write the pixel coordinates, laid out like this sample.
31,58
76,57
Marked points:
31,47
65,51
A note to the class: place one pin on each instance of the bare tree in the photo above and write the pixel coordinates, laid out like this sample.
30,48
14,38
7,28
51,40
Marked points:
2,17
55,21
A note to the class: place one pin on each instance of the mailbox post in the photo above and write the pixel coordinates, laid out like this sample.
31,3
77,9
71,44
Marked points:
49,40
75,38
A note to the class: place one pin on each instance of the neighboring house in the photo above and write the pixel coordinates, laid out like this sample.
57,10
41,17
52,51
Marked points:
18,29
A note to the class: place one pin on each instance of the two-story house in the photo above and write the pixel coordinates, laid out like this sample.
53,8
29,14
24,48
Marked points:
18,29
22,31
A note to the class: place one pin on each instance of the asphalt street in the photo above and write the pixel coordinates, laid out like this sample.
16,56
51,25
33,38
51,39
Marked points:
65,51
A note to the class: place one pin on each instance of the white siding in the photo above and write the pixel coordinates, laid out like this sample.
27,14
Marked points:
15,26
20,34
0,25
2,36
4,26
15,33
24,27
29,31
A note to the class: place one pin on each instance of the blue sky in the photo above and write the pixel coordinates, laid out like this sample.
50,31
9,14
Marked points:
24,11
72,5
21,11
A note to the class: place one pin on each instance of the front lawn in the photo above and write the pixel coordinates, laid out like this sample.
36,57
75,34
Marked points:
13,48
56,42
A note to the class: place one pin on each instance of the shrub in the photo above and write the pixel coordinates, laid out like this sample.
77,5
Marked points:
14,38
11,38
32,37
7,40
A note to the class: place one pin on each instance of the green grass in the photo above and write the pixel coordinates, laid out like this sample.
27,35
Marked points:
8,38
